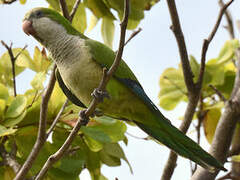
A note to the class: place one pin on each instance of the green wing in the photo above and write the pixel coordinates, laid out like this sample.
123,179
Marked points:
105,56
67,92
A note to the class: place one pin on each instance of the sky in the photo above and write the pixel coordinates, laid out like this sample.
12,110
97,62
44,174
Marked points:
148,55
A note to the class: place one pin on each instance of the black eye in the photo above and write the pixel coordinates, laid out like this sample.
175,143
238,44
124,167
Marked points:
39,14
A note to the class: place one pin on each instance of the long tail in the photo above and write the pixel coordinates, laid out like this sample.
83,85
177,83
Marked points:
173,138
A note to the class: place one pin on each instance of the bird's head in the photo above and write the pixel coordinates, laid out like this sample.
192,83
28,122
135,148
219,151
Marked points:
45,24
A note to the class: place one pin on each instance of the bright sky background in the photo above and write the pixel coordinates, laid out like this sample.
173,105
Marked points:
148,54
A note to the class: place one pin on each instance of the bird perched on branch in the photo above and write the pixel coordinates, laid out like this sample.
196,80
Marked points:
80,62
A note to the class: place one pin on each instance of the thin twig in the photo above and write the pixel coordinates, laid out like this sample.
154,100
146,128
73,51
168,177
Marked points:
177,30
208,41
64,9
174,84
133,35
56,119
41,138
229,21
74,10
9,159
220,95
13,60
90,110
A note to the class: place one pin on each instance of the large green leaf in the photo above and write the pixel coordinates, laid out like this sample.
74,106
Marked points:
3,92
80,20
227,53
210,123
6,131
107,30
115,150
16,107
106,133
99,8
173,89
38,80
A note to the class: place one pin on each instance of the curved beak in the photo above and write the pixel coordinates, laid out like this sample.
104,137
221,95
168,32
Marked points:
28,28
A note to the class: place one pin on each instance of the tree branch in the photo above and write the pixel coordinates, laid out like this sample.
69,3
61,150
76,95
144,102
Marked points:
9,159
133,35
90,110
64,9
13,60
220,95
56,119
207,41
193,89
41,137
74,10
228,16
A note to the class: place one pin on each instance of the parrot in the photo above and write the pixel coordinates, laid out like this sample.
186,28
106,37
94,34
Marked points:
80,62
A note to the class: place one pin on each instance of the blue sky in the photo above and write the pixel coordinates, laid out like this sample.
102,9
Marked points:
148,54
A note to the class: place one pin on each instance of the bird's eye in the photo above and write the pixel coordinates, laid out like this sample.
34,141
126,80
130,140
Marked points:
39,14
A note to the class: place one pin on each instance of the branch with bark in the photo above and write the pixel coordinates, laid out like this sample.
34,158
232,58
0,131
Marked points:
194,89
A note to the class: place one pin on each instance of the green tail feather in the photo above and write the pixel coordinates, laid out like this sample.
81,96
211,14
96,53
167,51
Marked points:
181,144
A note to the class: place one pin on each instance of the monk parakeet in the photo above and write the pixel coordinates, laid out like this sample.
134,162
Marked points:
80,62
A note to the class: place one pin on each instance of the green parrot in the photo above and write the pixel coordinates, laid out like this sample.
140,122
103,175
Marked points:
80,62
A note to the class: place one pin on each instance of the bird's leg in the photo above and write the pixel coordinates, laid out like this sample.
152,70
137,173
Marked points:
84,118
100,95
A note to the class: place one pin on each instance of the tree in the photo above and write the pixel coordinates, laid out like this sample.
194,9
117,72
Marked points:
208,94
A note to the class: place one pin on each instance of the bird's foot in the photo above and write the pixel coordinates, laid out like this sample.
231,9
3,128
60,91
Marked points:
100,95
84,118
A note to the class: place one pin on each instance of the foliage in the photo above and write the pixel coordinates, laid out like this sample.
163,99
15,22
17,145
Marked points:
98,142
220,73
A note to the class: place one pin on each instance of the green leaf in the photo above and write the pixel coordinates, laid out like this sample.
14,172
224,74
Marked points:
56,101
105,120
106,133
38,80
3,92
108,159
227,52
107,30
173,88
93,145
80,20
8,173
6,131
40,60
72,163
115,150
98,8
54,4
195,67
13,121
2,109
93,22
210,123
23,1
16,107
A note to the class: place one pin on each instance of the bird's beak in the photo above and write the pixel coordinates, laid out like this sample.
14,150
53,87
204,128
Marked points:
28,28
